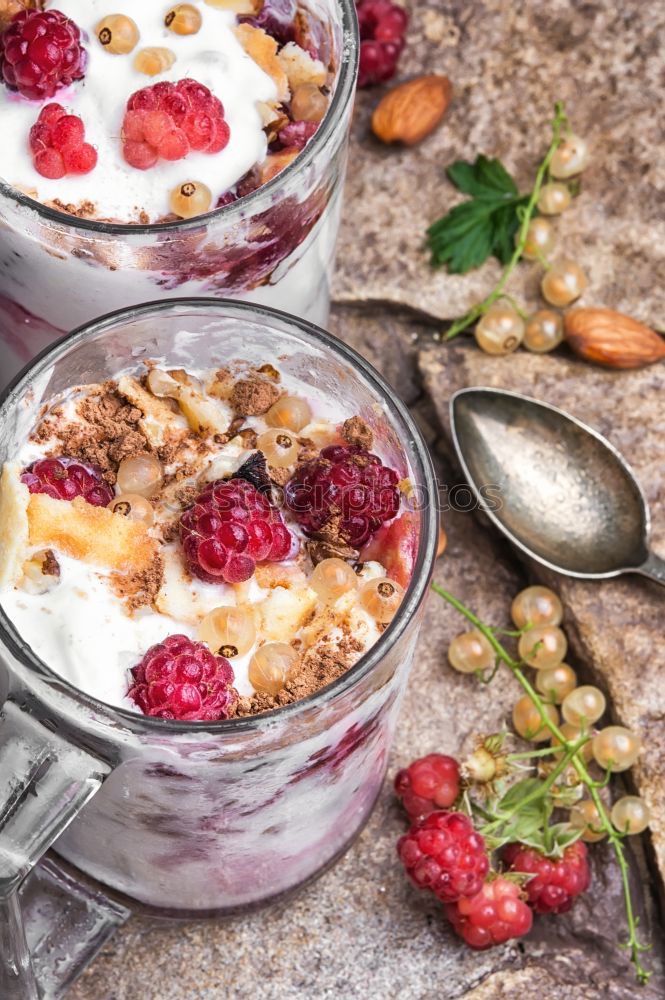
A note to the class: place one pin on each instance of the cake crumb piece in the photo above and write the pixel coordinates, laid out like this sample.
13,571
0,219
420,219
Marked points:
356,432
253,396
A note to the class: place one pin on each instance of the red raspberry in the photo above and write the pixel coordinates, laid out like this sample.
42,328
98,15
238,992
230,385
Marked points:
494,915
382,29
66,478
168,120
296,135
182,679
428,784
40,52
556,881
346,481
229,529
57,142
445,854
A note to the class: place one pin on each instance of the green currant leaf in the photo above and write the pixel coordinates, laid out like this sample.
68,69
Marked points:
485,225
514,797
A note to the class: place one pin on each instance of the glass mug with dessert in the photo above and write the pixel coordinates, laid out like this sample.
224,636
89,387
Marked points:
212,575
161,149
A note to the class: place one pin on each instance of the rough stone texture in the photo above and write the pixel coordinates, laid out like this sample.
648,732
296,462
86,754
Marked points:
509,62
616,626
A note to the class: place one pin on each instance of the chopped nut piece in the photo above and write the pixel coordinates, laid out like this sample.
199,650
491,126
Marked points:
328,549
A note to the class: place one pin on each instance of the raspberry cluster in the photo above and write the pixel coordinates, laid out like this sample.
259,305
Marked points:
445,854
58,146
182,679
169,120
40,52
382,29
556,881
428,784
229,529
493,916
345,483
66,478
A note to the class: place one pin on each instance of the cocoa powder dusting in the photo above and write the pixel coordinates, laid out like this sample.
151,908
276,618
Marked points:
139,590
109,431
320,666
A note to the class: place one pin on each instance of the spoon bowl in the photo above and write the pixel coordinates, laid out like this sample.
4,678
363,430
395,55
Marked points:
566,496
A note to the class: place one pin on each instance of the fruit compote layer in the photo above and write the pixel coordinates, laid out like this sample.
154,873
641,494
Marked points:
228,508
173,151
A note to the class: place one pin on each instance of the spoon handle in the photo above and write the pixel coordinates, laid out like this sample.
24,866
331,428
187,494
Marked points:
654,568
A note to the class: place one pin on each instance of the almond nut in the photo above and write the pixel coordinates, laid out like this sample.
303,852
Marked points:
612,339
411,111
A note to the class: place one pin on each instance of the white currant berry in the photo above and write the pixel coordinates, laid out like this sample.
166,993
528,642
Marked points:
528,722
140,474
543,331
536,606
571,158
554,198
469,652
229,631
133,506
500,330
584,706
556,682
289,412
381,598
271,666
332,578
616,748
543,646
563,282
630,814
280,447
572,733
585,816
540,239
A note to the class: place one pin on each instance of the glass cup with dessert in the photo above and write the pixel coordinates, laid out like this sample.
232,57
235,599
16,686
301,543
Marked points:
160,149
213,571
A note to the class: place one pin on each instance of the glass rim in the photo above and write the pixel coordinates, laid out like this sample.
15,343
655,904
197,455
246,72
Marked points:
342,96
401,419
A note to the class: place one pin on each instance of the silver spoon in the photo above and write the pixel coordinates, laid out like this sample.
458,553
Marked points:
565,496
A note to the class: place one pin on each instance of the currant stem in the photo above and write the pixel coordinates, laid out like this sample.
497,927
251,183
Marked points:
571,755
560,122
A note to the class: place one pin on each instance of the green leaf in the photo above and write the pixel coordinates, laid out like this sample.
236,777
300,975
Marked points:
514,797
485,225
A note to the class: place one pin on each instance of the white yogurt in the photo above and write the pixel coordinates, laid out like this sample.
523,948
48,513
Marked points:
213,57
82,630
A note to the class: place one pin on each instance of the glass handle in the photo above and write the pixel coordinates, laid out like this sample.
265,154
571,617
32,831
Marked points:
44,783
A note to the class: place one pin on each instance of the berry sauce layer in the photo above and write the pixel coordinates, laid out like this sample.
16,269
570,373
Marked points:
149,112
200,546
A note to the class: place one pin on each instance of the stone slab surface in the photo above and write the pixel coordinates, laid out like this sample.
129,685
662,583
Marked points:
509,62
615,626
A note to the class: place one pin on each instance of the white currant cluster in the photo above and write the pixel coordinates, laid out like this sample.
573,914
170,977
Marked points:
537,613
503,327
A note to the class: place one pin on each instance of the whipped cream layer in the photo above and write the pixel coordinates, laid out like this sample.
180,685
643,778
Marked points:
213,56
82,629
